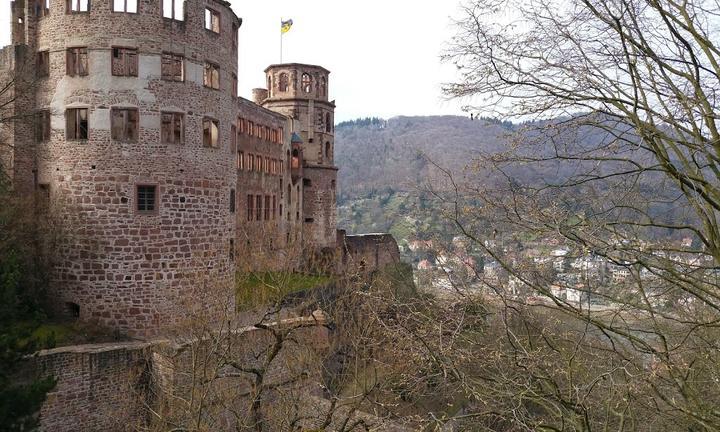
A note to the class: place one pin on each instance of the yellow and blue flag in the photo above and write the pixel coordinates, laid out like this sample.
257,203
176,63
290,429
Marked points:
285,26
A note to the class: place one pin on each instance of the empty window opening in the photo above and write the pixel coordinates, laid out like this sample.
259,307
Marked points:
72,309
232,250
76,124
240,161
307,183
146,198
211,76
77,61
42,8
284,82
174,9
172,67
289,192
43,64
210,132
76,6
327,150
306,83
323,87
42,126
328,123
172,128
295,159
250,207
267,207
258,207
128,6
125,62
124,124
212,20
309,220
232,200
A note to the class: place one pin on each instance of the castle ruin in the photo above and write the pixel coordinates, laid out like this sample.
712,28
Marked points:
128,126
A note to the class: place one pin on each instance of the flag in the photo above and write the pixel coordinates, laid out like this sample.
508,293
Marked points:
285,26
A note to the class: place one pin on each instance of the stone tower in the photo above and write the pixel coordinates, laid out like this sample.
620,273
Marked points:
300,92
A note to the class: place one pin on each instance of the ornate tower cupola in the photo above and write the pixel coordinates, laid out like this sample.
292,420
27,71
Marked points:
300,91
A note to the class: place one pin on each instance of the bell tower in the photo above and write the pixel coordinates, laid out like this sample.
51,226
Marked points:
300,91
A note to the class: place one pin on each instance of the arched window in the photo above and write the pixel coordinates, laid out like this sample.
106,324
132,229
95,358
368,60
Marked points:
269,84
295,159
323,87
289,192
306,83
284,81
327,150
328,123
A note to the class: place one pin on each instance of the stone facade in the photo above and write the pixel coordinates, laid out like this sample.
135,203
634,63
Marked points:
165,182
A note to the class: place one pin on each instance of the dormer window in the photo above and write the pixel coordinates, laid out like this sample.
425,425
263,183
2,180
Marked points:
212,20
306,83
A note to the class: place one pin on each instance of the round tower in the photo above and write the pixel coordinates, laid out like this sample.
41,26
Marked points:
137,110
300,91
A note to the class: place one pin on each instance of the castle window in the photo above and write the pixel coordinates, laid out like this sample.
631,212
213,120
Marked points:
267,207
328,123
124,124
76,124
78,6
42,126
77,61
232,200
258,207
240,161
172,67
327,150
42,8
284,82
211,76
146,198
267,165
250,207
250,162
307,183
295,159
212,20
232,250
323,87
172,130
174,9
43,64
306,83
258,163
124,62
210,132
309,220
127,6
234,85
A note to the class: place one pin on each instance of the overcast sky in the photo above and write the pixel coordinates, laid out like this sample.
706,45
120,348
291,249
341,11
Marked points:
383,54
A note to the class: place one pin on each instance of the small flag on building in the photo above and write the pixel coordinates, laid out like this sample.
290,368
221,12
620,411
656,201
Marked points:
285,26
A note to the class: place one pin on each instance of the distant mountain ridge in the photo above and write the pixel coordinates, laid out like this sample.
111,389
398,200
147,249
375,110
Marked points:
375,154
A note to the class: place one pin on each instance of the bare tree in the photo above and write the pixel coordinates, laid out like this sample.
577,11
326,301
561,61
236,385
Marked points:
602,210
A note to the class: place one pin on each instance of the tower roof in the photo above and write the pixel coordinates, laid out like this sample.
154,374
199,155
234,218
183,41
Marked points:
295,65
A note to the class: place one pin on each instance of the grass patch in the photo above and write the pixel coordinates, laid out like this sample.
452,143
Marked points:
266,287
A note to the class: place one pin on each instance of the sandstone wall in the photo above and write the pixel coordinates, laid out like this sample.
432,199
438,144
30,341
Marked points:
139,273
366,253
109,387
